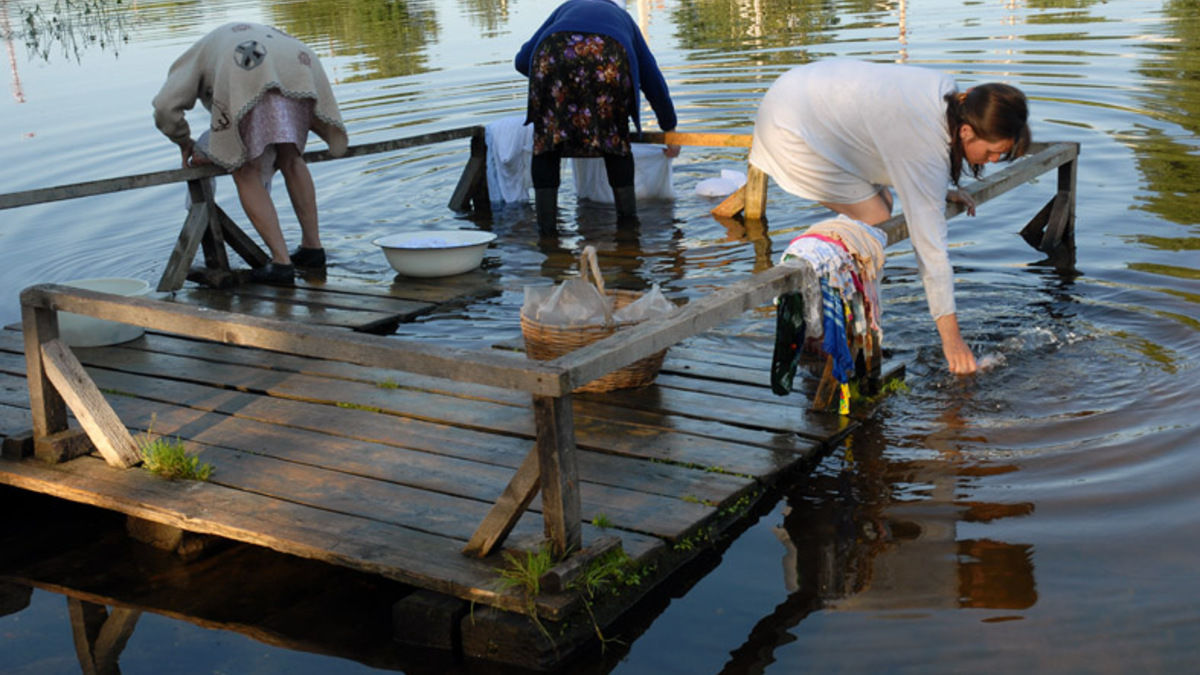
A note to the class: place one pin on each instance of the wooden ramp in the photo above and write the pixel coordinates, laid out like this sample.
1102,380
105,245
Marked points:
390,473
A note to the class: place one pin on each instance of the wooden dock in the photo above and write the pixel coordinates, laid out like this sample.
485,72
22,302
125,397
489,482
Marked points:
389,473
413,462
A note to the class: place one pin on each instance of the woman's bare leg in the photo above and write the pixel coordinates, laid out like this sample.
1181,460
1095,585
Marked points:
259,208
301,191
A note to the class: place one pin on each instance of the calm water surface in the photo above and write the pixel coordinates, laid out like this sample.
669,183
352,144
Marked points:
1041,516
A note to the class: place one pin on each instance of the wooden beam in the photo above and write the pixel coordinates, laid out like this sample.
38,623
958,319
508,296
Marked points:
491,367
710,140
212,241
185,247
507,510
108,185
620,349
97,418
733,204
40,325
756,193
559,472
468,183
563,574
1043,158
239,241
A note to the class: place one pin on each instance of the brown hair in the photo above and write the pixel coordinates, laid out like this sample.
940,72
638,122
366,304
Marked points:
996,112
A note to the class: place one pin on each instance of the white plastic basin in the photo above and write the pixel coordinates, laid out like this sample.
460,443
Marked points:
435,253
78,330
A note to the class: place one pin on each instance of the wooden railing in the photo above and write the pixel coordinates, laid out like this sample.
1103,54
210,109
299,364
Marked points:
57,381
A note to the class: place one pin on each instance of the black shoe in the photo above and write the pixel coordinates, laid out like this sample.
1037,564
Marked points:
309,258
274,273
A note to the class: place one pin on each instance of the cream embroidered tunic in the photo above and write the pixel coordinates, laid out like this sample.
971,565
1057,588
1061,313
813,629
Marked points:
228,71
834,130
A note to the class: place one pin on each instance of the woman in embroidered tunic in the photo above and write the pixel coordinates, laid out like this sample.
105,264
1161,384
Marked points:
265,90
840,132
586,64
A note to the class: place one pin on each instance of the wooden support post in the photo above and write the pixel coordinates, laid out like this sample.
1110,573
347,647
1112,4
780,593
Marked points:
472,184
561,575
96,417
239,241
756,193
507,510
481,199
100,637
40,325
825,387
185,247
559,472
733,204
62,446
213,241
1060,234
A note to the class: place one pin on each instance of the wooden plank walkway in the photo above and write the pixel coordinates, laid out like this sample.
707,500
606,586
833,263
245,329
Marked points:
314,300
389,472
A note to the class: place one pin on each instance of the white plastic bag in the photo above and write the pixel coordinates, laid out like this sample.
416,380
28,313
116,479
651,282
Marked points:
727,184
574,302
652,303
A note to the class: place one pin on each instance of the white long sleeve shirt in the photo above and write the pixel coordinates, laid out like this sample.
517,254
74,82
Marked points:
882,123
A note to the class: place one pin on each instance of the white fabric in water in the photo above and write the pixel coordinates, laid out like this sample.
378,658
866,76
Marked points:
510,149
651,175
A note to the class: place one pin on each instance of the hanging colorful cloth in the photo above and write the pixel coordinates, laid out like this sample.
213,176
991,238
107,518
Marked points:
835,344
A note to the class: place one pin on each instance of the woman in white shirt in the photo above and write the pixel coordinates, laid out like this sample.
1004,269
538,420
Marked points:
841,132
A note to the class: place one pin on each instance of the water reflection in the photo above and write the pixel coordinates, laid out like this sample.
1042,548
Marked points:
388,39
872,532
69,27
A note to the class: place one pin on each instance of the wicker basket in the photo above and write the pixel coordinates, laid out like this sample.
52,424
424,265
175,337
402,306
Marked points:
545,342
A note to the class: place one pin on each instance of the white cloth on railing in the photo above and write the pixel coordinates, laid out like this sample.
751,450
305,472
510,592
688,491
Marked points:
510,150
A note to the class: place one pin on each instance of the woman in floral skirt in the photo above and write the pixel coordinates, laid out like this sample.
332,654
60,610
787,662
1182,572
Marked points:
586,65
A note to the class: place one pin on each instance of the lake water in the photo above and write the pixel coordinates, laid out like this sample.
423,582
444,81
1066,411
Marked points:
1040,516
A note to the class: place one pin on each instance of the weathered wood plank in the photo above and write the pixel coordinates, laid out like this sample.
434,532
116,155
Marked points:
107,185
239,241
660,511
1043,157
281,308
507,510
318,341
416,558
732,205
756,193
674,445
186,245
302,295
558,472
620,349
563,574
49,410
706,139
102,425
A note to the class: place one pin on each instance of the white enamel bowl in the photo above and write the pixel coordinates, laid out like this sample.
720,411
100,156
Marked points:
78,330
435,253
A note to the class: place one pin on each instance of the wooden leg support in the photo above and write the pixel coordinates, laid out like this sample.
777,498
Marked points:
507,509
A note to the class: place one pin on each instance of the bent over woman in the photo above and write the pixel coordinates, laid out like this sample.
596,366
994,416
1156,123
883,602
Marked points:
586,64
264,90
841,132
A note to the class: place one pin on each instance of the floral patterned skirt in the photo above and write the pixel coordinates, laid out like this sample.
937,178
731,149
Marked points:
580,96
